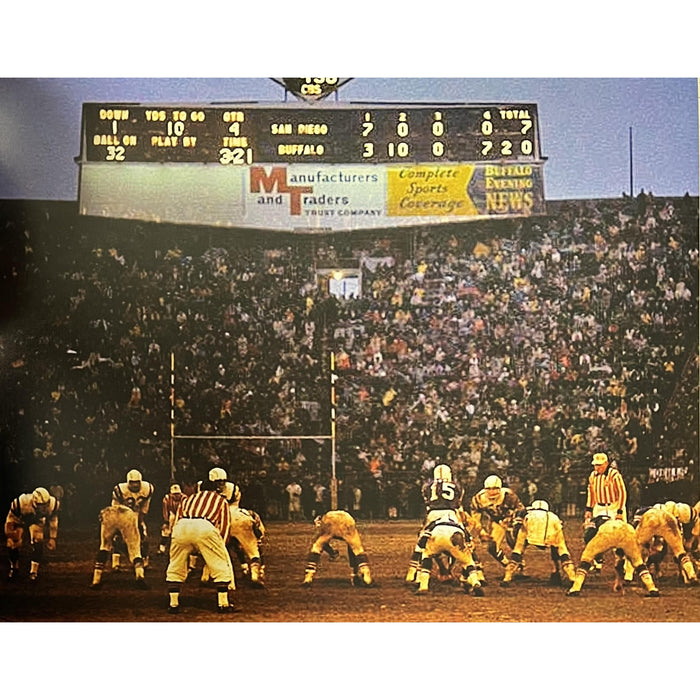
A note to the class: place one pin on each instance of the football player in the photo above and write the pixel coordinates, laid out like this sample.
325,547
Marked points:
672,523
605,533
339,525
36,512
447,535
441,495
230,491
497,506
122,521
540,527
135,494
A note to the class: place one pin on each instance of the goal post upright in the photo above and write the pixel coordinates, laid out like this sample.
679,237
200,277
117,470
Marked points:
172,416
334,480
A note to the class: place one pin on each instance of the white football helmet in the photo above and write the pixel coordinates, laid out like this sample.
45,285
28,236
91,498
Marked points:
133,479
217,474
683,513
442,473
40,497
539,505
493,482
669,507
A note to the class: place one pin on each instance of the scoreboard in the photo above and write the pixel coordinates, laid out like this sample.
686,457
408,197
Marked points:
308,168
371,134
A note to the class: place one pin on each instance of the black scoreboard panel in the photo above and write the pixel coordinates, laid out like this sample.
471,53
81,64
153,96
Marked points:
240,134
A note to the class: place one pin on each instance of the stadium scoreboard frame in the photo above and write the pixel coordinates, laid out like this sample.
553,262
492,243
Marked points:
311,168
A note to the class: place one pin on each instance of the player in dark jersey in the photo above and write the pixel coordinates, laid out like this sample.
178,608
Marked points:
442,497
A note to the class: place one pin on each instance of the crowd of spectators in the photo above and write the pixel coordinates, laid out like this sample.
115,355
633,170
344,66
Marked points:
515,347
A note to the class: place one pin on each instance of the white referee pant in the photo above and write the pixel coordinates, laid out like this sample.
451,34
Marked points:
198,536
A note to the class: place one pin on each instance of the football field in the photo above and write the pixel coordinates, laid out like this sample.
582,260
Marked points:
62,593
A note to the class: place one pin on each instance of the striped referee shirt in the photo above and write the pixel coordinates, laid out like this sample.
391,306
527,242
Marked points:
607,489
207,505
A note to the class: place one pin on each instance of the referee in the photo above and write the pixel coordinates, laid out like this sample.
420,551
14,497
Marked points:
607,494
201,527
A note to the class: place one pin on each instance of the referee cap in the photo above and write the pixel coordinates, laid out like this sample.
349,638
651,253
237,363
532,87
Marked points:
599,458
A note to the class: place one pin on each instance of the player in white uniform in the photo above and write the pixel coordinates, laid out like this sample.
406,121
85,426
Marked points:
603,534
122,521
668,522
541,528
35,512
136,494
230,491
339,525
497,505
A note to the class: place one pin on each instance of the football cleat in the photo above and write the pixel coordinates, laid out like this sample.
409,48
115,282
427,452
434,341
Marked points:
33,576
654,593
573,594
141,584
422,591
478,592
227,609
173,609
96,586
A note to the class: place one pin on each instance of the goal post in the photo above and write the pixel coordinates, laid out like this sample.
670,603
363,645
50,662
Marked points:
174,436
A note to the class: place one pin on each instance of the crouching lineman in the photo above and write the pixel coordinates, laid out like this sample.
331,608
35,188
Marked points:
247,533
34,512
122,521
202,527
447,535
603,534
136,494
338,525
442,497
497,506
667,522
538,526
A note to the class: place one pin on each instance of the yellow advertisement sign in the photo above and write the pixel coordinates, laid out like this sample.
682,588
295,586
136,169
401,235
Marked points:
430,190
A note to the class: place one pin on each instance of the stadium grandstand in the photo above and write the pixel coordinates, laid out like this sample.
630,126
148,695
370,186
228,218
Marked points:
515,347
